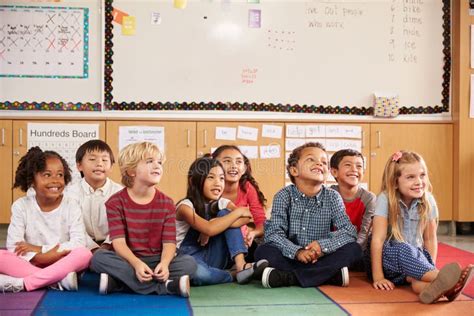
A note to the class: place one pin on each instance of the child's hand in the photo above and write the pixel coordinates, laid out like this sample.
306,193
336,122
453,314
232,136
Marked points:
203,239
383,284
23,247
244,212
249,237
315,249
162,272
306,256
45,259
142,271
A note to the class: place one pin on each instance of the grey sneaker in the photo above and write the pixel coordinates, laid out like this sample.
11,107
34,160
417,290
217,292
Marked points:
179,286
11,284
254,272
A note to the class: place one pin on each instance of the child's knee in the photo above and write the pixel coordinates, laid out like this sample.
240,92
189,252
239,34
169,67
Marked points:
223,212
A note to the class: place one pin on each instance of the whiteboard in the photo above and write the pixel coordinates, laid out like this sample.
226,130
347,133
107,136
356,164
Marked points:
51,51
329,53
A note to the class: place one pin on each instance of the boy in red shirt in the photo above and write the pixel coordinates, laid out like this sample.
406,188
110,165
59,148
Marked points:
143,231
347,167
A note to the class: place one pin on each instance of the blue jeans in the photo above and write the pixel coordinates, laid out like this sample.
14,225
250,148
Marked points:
214,257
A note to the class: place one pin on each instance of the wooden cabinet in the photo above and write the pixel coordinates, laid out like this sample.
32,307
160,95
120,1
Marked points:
269,173
6,172
432,141
180,152
20,143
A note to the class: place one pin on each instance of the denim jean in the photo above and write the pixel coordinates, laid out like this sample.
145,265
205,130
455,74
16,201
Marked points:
215,256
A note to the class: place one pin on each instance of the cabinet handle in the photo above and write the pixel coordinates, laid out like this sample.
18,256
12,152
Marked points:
21,137
188,138
379,139
3,136
205,138
362,145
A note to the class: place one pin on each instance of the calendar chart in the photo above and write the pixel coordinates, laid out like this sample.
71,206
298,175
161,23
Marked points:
47,42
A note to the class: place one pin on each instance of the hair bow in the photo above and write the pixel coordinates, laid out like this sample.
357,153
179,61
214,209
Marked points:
396,156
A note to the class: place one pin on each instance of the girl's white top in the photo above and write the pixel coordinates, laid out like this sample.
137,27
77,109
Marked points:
182,227
63,226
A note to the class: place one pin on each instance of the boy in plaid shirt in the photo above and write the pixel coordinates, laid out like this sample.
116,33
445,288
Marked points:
309,240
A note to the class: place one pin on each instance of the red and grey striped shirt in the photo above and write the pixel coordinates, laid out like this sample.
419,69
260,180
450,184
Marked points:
145,227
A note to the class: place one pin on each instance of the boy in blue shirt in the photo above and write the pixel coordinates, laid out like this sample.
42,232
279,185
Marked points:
309,240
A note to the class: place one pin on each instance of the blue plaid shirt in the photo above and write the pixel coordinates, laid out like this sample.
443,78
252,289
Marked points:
298,220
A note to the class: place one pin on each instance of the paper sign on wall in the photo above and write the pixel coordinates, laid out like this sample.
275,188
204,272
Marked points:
251,152
133,134
295,131
226,133
271,131
128,25
270,151
248,133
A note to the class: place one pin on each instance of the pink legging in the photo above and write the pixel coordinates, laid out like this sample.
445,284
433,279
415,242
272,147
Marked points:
33,277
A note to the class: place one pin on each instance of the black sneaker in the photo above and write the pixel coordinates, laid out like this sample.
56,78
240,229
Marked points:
108,284
341,278
272,278
179,286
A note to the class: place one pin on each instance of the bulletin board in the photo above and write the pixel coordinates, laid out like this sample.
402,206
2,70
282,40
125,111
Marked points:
50,55
327,57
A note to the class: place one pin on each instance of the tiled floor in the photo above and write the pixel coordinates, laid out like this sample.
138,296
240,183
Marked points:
465,242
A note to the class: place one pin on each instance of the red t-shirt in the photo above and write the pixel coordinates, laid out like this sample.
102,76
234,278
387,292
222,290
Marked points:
250,199
145,227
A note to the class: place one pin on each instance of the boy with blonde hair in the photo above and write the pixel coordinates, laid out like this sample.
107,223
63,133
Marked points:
143,231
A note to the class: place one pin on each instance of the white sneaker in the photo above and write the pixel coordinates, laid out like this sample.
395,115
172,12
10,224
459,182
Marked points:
69,283
11,284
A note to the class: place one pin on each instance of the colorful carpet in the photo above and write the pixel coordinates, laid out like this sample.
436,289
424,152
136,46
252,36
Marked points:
232,299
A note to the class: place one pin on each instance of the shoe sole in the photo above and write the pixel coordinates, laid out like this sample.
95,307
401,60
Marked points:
447,278
345,277
468,279
265,277
184,286
104,281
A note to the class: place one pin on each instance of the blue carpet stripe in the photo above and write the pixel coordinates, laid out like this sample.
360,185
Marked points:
88,301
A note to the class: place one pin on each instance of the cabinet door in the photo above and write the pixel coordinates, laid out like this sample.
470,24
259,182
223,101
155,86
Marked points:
334,137
434,142
180,152
6,173
20,144
269,172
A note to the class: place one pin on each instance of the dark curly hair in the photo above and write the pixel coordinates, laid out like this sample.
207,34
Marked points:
247,176
296,155
34,161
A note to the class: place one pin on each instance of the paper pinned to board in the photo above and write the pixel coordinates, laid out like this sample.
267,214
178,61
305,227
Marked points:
251,152
272,131
226,133
270,151
248,133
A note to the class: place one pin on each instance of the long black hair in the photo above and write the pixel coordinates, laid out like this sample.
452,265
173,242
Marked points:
247,176
34,161
197,174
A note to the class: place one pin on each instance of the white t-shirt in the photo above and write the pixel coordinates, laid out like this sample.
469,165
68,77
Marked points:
182,227
92,205
63,226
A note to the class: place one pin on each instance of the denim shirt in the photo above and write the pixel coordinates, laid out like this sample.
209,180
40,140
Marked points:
298,220
409,216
